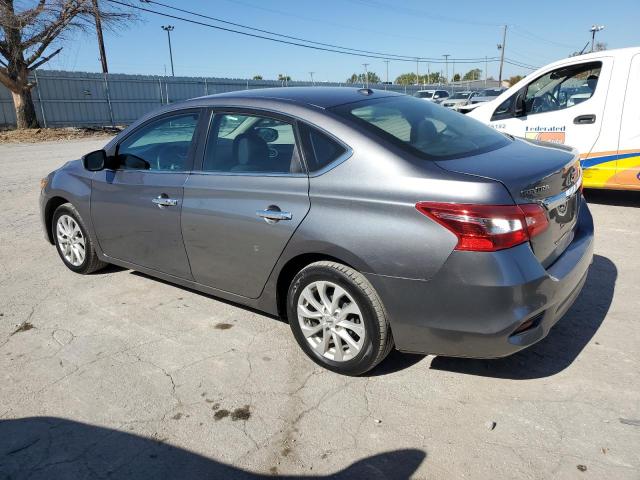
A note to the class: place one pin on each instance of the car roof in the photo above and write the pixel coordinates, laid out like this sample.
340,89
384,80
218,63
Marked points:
323,97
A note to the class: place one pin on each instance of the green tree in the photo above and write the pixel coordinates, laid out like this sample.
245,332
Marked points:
515,79
456,77
410,79
473,74
406,79
360,78
257,77
284,78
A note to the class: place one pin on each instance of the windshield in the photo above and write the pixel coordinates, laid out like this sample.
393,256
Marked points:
423,94
490,93
460,96
423,128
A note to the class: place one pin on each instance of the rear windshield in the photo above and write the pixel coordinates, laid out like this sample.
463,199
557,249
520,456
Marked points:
423,94
423,128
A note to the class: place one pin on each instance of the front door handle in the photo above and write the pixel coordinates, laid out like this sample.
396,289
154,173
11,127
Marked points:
164,201
273,214
584,119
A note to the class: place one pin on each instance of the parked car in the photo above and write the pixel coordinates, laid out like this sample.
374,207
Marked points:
367,218
589,102
481,97
458,99
436,96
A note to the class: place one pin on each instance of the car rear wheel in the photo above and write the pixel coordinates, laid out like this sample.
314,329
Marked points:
72,242
338,319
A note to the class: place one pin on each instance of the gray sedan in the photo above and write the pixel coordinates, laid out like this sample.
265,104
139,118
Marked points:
367,219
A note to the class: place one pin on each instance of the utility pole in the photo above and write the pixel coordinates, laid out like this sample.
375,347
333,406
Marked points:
502,47
486,71
446,62
593,30
169,29
312,82
386,81
366,74
103,55
417,71
428,72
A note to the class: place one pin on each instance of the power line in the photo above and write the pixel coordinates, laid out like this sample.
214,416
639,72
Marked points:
518,30
343,50
227,22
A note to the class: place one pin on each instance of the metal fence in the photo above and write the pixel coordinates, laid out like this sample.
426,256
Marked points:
93,99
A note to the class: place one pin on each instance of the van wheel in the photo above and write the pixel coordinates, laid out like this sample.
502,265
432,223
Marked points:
338,319
72,242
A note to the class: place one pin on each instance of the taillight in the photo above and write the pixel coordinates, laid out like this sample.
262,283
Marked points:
487,228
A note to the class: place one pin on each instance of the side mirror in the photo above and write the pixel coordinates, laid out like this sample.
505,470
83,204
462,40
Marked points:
95,161
519,108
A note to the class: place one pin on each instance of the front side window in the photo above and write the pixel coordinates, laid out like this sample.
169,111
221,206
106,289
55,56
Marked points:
423,128
251,144
562,88
163,144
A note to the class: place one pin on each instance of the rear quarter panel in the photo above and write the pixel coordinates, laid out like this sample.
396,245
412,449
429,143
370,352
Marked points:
363,211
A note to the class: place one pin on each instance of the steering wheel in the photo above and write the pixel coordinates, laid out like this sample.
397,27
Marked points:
545,103
171,157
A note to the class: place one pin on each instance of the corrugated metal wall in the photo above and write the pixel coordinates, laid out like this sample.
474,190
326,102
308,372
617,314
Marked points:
93,99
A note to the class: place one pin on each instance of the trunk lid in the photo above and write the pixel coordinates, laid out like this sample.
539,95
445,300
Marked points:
534,172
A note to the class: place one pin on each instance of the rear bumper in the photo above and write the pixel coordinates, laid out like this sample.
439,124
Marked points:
474,304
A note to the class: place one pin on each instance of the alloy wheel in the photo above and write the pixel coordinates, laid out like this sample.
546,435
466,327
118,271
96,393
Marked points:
331,321
71,240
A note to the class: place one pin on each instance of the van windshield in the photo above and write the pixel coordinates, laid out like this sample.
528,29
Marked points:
423,128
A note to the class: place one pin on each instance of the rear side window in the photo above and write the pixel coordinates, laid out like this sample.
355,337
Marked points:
321,150
240,143
423,128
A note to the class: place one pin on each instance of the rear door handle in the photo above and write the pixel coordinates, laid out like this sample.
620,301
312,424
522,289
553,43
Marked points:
164,201
584,119
271,215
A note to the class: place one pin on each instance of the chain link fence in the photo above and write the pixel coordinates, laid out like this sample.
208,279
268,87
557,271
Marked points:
77,99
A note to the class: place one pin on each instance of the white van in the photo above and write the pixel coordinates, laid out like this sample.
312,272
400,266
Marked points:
590,102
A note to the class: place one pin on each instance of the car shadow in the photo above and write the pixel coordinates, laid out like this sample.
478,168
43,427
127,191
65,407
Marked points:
47,447
564,342
616,198
212,297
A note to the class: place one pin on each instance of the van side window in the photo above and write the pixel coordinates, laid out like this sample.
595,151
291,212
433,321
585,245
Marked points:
562,88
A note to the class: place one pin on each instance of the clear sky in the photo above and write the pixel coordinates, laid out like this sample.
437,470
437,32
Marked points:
538,33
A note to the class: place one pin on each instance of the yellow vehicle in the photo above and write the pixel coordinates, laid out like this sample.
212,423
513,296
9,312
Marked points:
590,102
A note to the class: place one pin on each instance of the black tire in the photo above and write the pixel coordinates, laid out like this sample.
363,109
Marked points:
91,261
378,340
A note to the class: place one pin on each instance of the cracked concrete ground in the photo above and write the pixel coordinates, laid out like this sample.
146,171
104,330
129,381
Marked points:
119,375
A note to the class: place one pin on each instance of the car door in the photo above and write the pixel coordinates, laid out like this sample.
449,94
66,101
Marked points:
246,201
628,162
565,105
135,207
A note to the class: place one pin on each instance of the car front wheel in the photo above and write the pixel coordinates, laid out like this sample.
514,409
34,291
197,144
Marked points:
72,242
338,319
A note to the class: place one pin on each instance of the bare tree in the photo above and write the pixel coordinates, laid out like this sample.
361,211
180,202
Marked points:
28,37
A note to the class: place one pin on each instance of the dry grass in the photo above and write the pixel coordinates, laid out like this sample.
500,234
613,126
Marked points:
35,135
